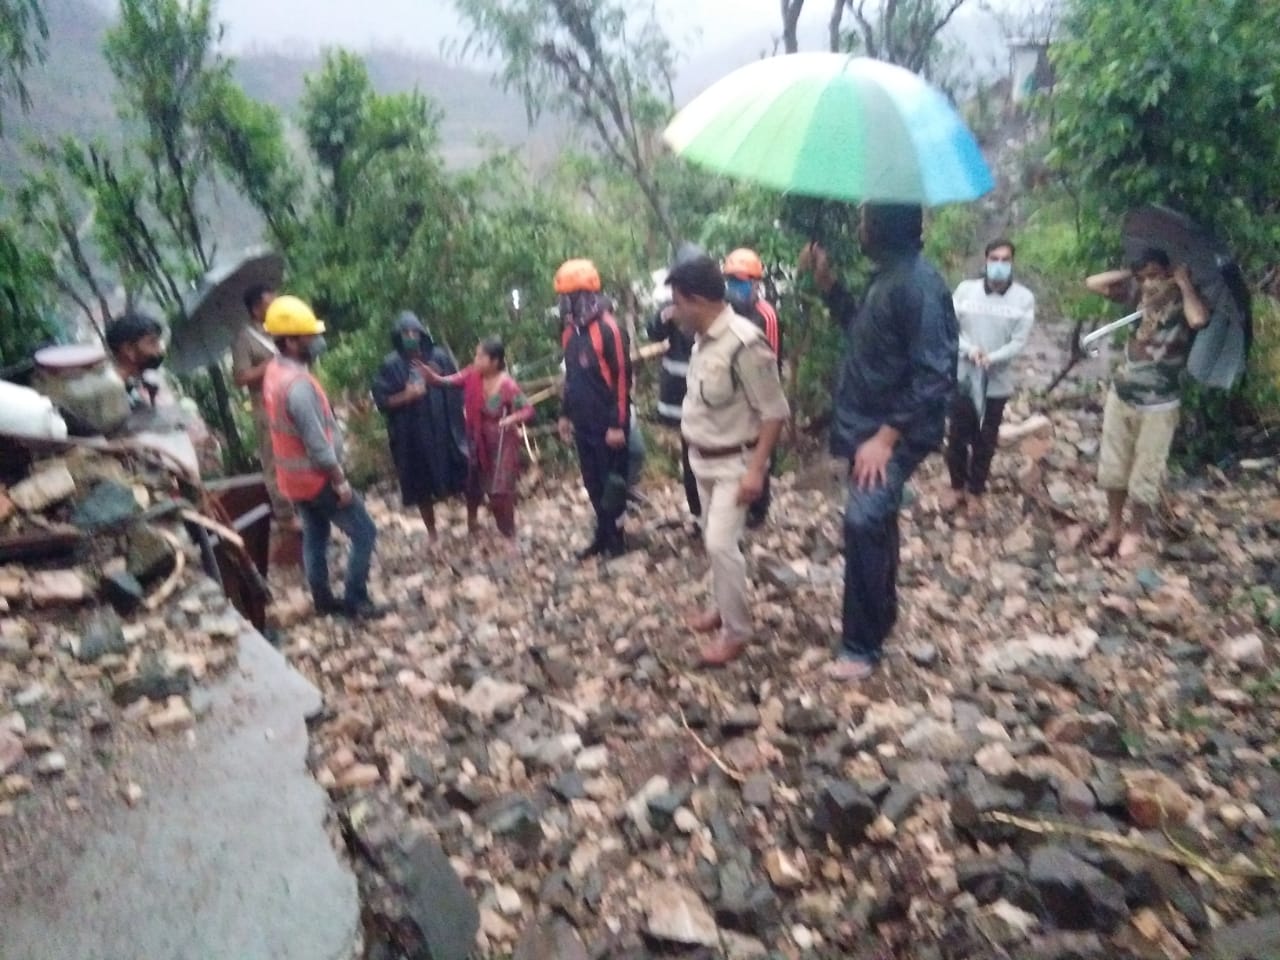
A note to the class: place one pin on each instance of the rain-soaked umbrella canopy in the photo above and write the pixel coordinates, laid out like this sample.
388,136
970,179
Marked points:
1220,349
215,312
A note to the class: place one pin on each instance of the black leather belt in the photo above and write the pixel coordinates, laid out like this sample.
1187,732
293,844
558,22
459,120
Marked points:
712,453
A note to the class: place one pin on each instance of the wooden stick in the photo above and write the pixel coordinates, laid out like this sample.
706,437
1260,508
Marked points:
736,775
1180,855
171,583
213,526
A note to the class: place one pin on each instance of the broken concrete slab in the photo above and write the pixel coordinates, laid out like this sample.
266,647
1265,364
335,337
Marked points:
228,856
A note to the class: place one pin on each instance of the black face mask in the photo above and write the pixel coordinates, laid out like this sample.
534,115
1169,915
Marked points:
153,362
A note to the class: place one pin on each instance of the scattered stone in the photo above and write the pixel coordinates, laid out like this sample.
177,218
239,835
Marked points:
1076,896
899,803
101,634
444,912
15,642
740,947
56,588
592,759
785,873
844,813
740,720
568,786
43,489
1154,800
807,721
36,693
108,504
758,790
123,591
1245,652
926,776
155,680
1004,924
132,794
508,900
12,751
745,905
924,654
1099,732
516,819
686,821
51,764
150,555
489,697
551,939
675,914
175,715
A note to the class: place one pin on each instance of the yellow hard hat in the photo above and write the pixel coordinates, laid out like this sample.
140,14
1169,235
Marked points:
291,317
577,275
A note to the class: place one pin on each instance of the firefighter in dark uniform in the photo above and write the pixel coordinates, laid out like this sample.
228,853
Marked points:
671,376
595,409
743,273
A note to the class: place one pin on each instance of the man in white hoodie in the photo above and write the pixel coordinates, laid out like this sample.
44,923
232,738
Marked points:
996,315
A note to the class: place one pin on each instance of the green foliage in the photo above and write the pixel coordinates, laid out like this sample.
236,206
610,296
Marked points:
24,297
1178,107
593,61
23,33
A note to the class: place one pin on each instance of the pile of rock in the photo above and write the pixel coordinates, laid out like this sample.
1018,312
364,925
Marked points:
1063,758
107,628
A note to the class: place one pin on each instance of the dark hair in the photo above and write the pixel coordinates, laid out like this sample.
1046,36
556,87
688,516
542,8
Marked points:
698,277
894,227
130,328
253,296
1149,256
495,350
999,242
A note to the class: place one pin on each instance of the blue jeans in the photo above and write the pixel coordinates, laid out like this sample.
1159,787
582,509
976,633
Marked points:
318,515
871,559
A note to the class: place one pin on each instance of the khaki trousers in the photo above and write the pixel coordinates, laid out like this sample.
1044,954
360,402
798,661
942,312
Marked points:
723,521
1135,449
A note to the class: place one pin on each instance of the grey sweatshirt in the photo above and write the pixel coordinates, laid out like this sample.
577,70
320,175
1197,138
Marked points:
308,413
998,325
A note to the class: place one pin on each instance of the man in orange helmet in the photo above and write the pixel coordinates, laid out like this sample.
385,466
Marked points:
595,408
743,274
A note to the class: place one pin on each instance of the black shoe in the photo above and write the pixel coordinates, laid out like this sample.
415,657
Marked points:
367,611
616,546
329,607
593,549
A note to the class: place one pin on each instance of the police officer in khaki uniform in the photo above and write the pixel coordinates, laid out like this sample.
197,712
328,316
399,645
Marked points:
732,415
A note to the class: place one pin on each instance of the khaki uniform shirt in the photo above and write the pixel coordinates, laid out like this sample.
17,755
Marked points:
733,385
250,348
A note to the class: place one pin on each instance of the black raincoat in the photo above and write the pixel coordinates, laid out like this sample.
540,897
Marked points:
427,436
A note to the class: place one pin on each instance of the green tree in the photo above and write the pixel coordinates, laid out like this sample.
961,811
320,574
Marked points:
594,62
23,33
1179,108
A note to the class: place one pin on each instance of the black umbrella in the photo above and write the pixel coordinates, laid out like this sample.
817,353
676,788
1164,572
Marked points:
1218,354
215,312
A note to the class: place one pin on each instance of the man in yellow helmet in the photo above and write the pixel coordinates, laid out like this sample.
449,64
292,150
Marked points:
308,459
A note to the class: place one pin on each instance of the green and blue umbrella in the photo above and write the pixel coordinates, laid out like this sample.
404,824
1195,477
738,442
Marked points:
831,125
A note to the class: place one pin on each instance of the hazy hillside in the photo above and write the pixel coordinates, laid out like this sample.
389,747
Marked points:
72,91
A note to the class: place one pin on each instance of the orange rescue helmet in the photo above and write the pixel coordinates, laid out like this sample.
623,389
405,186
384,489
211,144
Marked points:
744,264
575,276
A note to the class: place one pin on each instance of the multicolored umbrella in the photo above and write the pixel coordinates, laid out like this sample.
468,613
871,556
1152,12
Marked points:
831,125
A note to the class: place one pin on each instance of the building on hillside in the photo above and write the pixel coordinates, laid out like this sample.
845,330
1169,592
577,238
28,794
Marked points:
1030,70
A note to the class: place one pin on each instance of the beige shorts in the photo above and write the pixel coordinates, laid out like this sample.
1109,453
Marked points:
1135,449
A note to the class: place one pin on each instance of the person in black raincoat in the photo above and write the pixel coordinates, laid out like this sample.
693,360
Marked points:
897,374
424,425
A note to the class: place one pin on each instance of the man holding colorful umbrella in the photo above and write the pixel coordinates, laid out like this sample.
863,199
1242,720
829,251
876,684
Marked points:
858,130
895,379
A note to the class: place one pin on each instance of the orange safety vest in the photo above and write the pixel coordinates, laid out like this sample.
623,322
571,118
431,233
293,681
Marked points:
298,477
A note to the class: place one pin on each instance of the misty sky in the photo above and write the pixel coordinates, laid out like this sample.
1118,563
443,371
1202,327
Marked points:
425,24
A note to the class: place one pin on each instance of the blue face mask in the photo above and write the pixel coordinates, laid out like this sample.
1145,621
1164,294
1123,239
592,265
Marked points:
999,271
737,288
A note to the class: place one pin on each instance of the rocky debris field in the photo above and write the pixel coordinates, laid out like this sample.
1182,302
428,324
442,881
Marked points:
1061,758
108,628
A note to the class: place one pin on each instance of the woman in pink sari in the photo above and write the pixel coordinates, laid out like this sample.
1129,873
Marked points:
494,407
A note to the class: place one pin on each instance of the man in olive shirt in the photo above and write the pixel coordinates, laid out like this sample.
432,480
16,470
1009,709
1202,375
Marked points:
251,351
1141,413
732,415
